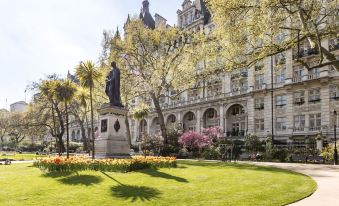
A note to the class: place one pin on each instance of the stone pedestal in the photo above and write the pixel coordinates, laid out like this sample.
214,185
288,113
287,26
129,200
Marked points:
112,141
319,145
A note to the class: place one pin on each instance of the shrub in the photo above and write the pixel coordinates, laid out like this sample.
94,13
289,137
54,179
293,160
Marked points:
328,152
253,143
211,153
279,154
74,164
151,144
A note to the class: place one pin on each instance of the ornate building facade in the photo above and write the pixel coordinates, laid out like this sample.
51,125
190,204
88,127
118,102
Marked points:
242,102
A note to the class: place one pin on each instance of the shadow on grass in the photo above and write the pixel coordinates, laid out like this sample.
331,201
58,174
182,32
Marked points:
135,193
57,174
110,177
157,173
241,166
86,180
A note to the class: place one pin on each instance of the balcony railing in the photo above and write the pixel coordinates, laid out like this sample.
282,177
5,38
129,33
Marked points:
259,86
299,102
260,107
314,100
305,53
314,76
335,98
297,78
281,106
299,129
241,90
314,129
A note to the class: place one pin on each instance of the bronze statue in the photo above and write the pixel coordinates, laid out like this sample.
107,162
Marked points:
113,86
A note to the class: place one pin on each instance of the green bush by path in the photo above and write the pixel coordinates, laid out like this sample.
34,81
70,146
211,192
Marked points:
191,183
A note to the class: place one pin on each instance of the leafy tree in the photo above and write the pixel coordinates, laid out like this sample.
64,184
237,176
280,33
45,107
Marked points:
88,75
4,127
64,92
249,30
140,112
159,60
213,133
18,128
79,110
47,111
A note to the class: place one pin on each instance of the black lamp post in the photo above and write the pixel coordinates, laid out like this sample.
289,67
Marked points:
335,155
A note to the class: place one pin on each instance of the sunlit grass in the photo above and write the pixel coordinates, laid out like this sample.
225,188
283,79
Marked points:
192,183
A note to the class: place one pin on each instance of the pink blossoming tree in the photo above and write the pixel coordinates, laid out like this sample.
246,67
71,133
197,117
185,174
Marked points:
213,132
194,140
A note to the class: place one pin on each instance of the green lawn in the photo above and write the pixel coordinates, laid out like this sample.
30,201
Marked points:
192,183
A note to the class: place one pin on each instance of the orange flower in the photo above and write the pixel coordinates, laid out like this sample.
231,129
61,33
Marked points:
57,161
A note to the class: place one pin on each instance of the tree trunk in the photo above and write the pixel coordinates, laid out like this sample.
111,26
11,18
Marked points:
92,121
60,145
83,134
88,134
160,116
81,123
128,131
67,131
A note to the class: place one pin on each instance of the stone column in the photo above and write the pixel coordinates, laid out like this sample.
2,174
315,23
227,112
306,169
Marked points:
198,124
221,116
148,125
136,126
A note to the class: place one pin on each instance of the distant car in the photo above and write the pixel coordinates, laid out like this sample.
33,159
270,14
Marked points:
5,162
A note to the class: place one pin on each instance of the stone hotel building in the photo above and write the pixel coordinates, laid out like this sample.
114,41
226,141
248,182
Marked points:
241,102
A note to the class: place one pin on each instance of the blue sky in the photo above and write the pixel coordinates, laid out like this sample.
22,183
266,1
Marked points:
40,37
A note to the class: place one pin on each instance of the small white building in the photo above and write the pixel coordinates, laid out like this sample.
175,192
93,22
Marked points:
19,107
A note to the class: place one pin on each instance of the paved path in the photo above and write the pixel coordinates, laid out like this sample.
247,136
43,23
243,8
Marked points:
326,176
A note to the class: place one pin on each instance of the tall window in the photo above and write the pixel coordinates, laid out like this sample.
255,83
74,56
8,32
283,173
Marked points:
281,101
314,95
298,73
259,104
299,97
315,122
211,114
259,125
299,123
281,124
334,92
190,116
313,73
237,110
259,81
280,58
281,75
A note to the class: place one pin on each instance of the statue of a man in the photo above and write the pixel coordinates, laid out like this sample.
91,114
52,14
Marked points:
113,86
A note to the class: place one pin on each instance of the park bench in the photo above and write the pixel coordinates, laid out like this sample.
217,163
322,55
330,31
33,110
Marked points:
5,162
299,158
316,159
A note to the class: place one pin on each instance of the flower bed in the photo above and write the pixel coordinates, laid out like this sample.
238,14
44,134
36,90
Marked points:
74,164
